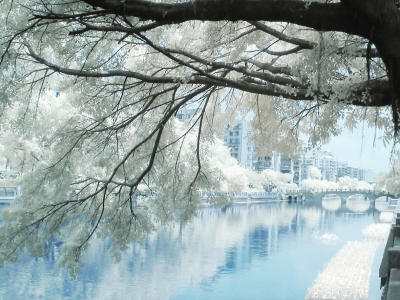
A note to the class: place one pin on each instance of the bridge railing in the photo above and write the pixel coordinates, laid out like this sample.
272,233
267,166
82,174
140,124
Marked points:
344,190
206,194
241,194
9,193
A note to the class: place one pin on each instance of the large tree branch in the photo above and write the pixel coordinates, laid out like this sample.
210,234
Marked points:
271,68
240,69
378,90
320,16
282,53
115,28
304,44
264,88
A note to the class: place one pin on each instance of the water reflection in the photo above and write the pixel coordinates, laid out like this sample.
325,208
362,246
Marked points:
381,203
358,203
331,202
267,251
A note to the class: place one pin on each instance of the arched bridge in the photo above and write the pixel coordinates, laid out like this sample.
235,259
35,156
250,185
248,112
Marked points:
343,194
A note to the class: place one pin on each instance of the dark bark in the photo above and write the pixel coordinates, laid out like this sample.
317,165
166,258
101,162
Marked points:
382,18
319,16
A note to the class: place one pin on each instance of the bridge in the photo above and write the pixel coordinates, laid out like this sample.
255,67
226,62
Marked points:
9,193
343,194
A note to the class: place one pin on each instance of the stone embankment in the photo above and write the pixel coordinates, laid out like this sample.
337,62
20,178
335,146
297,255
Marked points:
390,266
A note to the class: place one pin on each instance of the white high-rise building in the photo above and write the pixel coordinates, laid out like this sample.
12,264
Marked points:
235,138
186,113
324,160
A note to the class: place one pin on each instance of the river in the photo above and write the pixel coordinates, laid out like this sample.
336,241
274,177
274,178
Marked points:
260,251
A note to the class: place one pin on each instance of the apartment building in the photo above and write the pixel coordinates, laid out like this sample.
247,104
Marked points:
186,113
236,139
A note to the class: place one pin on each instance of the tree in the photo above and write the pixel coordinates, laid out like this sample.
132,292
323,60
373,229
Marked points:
120,71
278,180
315,173
390,181
343,183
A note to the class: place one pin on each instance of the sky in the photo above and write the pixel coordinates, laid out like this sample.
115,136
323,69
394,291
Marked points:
358,150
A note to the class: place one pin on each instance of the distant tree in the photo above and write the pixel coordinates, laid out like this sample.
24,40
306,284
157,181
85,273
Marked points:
315,173
390,180
345,182
318,184
92,89
277,180
353,183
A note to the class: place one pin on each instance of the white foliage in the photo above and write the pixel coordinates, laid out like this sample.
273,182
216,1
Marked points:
315,173
390,180
275,177
345,182
353,183
111,132
316,184
235,177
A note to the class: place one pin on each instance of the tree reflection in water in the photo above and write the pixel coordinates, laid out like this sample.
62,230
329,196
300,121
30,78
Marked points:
242,252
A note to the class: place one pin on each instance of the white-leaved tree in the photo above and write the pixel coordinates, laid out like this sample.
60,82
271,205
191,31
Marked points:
315,173
390,181
277,180
344,183
120,71
318,184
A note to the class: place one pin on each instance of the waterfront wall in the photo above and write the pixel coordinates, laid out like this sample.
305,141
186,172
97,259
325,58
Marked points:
389,271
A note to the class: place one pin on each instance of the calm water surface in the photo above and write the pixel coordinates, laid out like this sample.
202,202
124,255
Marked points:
259,251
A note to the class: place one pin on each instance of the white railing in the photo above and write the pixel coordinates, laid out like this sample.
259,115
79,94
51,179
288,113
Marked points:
251,195
343,190
9,193
397,207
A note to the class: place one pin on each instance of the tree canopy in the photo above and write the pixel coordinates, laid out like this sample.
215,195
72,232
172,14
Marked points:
91,89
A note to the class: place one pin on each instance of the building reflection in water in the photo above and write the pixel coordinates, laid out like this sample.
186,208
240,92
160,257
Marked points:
258,250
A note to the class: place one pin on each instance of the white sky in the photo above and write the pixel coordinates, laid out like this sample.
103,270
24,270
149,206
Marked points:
358,150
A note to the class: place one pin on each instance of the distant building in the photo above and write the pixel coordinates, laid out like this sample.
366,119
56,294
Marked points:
267,162
305,163
361,174
296,171
286,165
326,163
342,170
235,138
186,113
369,176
